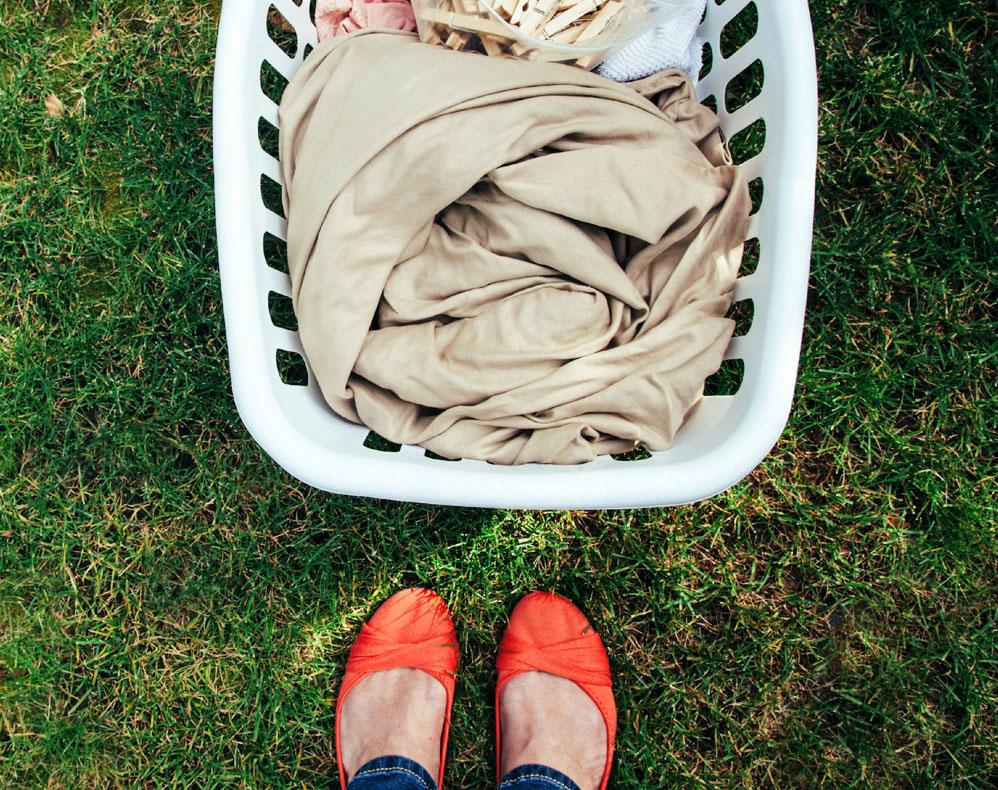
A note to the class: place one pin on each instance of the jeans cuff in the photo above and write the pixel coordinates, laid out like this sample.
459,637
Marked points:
536,776
393,766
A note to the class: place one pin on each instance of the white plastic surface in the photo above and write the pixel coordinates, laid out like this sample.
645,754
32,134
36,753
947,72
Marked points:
724,439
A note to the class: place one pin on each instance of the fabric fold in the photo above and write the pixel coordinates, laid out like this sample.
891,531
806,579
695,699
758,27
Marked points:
506,260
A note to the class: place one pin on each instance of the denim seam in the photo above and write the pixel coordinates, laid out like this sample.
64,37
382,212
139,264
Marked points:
538,776
397,769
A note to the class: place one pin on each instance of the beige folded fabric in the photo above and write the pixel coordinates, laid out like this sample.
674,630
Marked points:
506,260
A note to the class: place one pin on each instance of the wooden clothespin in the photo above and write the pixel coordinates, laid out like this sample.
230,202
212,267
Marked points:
538,13
457,40
519,11
568,35
600,21
566,18
468,22
508,7
491,45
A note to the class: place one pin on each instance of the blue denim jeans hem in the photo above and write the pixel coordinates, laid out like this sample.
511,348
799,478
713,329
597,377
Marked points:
536,777
392,773
401,773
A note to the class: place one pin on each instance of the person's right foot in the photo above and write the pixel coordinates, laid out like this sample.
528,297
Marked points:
548,720
399,678
395,712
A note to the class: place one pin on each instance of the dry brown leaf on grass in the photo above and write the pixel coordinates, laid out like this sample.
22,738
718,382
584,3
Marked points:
54,106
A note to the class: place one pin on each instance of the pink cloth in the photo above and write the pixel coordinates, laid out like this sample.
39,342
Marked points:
339,17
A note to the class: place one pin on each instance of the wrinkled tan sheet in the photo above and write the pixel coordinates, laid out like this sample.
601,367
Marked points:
506,260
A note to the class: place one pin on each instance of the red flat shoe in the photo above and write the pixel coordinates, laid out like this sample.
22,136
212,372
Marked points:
411,630
548,633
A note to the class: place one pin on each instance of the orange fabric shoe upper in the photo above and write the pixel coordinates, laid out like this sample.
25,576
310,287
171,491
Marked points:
412,629
548,633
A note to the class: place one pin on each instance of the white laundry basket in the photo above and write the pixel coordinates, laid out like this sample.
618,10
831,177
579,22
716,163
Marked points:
725,437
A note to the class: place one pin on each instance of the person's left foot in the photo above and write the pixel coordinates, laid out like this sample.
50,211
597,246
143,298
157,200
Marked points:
394,712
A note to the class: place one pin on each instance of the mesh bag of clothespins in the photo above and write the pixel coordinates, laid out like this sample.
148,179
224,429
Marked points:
582,32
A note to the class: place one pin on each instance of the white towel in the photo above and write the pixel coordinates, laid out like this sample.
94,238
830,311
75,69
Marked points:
673,44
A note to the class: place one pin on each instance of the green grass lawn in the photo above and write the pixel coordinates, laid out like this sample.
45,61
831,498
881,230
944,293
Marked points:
175,610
